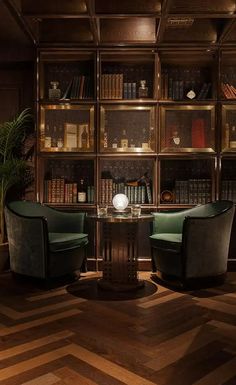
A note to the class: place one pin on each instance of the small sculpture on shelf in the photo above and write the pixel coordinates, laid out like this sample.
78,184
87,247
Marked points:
143,90
54,92
175,139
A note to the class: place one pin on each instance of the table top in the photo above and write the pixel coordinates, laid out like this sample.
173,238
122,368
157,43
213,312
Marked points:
116,218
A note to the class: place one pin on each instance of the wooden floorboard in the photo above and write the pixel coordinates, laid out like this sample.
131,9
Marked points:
77,334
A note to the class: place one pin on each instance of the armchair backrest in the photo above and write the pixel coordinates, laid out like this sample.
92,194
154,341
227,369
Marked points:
54,217
172,222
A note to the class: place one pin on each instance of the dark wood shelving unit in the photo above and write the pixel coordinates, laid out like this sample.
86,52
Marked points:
99,53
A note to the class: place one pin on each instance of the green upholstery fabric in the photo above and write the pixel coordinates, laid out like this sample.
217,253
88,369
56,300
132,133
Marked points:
193,243
66,241
44,242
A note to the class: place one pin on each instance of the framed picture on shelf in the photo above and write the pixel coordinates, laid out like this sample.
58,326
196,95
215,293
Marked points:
70,135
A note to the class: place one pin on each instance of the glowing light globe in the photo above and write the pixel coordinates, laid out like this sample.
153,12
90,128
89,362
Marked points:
120,202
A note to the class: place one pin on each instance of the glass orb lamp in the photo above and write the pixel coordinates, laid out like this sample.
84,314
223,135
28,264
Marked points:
120,202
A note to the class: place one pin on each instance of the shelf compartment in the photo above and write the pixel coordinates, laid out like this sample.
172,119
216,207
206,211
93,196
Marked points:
186,181
187,128
228,76
73,71
228,141
122,73
62,178
66,128
133,177
127,129
187,75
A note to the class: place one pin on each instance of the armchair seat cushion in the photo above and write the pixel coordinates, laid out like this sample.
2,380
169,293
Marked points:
167,241
66,241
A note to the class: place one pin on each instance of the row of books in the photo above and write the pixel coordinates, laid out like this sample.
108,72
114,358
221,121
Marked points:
57,190
177,89
112,86
193,191
139,194
228,190
78,88
228,90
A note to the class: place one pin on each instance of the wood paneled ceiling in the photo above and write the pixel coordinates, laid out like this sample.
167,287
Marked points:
161,23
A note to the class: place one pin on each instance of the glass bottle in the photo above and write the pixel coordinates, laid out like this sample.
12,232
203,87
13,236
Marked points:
84,138
48,138
132,143
54,92
115,143
105,140
124,140
82,194
42,137
54,137
143,89
145,139
60,138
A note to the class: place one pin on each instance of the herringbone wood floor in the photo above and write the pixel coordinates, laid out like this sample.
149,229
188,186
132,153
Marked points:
64,335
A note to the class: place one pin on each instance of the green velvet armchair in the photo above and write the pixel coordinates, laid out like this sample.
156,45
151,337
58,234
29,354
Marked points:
191,246
45,242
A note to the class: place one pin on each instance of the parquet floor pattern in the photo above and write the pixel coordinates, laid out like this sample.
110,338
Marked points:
56,337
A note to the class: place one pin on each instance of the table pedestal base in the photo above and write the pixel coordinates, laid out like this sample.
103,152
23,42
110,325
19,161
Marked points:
120,263
116,286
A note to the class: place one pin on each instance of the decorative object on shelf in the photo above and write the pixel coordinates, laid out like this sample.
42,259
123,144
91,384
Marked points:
167,196
175,139
143,90
54,137
60,142
48,138
102,210
145,139
105,140
82,195
191,94
132,143
120,202
83,136
115,143
54,92
136,210
124,140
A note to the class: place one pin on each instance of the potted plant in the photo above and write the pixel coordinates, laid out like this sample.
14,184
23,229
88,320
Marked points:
13,165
